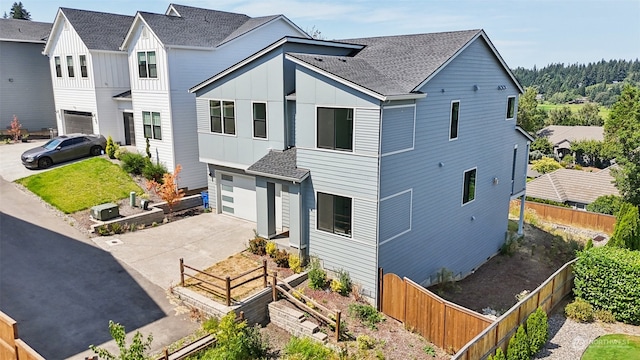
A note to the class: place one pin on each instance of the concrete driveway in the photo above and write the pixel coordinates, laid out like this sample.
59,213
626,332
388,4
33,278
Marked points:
201,240
11,167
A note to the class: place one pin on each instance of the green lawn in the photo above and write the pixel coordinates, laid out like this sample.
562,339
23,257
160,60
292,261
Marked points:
604,112
82,185
613,347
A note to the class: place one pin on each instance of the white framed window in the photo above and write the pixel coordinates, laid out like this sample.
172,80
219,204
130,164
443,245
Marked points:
334,214
259,111
469,186
222,117
511,107
334,128
83,66
58,64
152,125
147,64
70,66
454,119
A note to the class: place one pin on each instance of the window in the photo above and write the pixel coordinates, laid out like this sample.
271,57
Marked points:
58,66
260,120
511,107
83,66
151,123
469,190
335,129
222,115
453,125
70,66
334,214
147,64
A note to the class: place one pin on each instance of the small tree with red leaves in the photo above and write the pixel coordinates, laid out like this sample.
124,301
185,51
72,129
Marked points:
168,190
15,129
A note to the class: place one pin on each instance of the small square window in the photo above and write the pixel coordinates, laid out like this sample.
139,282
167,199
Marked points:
226,177
335,129
222,117
334,214
147,64
152,125
511,107
453,124
469,187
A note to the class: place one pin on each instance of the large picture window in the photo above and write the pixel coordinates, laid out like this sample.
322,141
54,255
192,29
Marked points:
70,66
511,107
58,66
260,120
334,214
83,66
453,124
222,117
335,129
147,64
469,187
152,125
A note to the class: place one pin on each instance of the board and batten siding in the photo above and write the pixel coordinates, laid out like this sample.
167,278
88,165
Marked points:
69,43
26,75
161,150
183,122
444,232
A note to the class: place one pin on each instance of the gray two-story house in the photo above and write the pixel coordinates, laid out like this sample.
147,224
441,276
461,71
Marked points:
400,152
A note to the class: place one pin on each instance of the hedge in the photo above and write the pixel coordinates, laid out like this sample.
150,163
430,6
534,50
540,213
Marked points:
609,278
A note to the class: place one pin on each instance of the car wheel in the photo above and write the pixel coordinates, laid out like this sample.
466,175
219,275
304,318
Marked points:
96,150
44,163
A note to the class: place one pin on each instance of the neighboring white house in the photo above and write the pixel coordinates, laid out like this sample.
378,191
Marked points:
88,70
167,55
25,82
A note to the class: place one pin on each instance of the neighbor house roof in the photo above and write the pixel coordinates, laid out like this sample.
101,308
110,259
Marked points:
16,30
279,165
395,65
562,136
196,27
577,186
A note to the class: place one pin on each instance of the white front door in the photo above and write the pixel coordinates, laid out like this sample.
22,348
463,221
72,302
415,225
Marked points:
238,196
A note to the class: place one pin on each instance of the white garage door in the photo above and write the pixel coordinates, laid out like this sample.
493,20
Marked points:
78,122
238,195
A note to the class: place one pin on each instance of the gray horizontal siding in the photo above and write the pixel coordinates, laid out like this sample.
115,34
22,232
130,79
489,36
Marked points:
398,128
443,232
367,131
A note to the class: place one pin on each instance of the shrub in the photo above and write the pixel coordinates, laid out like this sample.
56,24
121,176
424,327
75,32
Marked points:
305,348
626,233
317,275
295,264
367,314
110,148
498,356
235,340
147,149
518,348
606,204
271,248
537,330
604,315
258,245
535,155
365,342
154,172
119,152
282,258
579,310
133,163
342,283
545,165
137,350
609,278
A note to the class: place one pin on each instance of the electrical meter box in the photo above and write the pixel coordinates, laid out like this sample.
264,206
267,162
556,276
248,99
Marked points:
105,212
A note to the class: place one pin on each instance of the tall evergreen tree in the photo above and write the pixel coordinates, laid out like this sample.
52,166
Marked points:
530,118
19,12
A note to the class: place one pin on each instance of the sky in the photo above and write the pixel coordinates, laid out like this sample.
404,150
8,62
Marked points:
525,32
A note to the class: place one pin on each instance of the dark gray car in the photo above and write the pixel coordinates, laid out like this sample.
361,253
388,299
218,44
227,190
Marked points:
64,148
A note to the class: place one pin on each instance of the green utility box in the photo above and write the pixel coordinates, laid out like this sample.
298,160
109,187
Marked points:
105,212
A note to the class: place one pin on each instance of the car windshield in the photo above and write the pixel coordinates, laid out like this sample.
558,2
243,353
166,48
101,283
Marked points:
52,144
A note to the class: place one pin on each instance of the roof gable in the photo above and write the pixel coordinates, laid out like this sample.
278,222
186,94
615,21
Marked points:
16,30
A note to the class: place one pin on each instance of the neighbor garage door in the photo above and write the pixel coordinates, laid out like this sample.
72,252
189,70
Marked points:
238,196
77,122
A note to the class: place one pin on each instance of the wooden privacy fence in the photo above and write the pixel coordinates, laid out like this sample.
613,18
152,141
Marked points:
335,322
224,290
11,347
445,324
573,217
546,296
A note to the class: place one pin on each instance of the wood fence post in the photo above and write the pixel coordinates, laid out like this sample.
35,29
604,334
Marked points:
380,288
241,316
166,354
264,272
228,286
182,272
338,315
274,292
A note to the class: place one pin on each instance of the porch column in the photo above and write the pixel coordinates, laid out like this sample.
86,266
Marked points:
295,210
521,221
266,208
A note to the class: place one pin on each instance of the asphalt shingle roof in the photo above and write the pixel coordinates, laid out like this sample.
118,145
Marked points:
24,31
572,185
559,133
200,27
281,164
98,30
393,65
